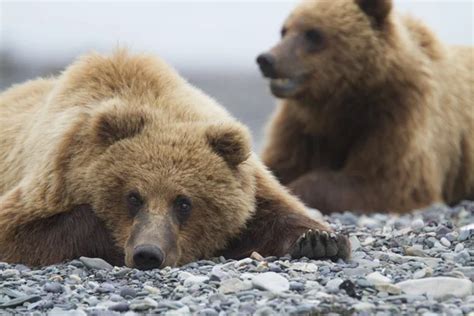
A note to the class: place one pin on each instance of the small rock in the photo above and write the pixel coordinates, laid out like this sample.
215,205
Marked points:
195,280
389,288
304,267
143,304
151,289
296,286
333,285
355,243
9,273
424,272
350,288
271,281
218,274
19,301
417,224
459,247
120,307
445,242
75,278
96,263
183,275
233,285
437,287
466,232
375,278
53,287
243,262
106,288
363,307
256,256
128,292
415,250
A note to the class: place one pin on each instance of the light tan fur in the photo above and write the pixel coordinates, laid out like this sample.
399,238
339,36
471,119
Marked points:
74,146
385,118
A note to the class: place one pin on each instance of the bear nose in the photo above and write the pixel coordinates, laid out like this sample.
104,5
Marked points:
146,257
266,63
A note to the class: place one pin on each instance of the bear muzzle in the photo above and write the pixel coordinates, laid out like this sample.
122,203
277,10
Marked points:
147,257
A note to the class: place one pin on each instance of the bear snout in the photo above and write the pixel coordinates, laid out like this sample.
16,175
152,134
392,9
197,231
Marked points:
266,62
146,257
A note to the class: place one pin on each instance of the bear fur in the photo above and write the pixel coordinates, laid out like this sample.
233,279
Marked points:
119,153
377,114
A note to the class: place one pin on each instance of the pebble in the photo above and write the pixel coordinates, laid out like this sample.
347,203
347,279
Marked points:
53,287
459,247
233,285
445,242
437,287
333,285
271,281
96,263
120,307
143,304
195,280
417,224
305,267
128,292
375,278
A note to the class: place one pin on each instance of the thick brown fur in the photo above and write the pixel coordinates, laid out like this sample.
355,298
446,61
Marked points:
382,115
76,147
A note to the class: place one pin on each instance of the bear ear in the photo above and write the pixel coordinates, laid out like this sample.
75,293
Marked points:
230,141
109,127
376,9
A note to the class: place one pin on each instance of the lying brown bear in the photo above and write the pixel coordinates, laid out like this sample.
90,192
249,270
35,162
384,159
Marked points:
120,158
377,113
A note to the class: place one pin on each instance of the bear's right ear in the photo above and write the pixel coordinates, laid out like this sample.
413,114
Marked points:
109,127
230,141
378,10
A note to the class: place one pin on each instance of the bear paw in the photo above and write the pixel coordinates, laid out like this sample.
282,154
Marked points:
318,244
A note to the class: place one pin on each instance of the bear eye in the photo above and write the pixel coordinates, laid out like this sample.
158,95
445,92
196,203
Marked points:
283,32
314,36
182,206
134,202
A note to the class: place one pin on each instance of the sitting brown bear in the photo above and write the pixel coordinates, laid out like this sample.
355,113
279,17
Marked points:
377,113
120,158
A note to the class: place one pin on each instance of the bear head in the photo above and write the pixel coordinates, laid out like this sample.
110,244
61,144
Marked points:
168,192
328,45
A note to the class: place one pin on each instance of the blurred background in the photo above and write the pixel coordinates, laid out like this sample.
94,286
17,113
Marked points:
212,44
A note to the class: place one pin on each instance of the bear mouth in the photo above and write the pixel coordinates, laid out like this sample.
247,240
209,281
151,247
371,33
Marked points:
288,87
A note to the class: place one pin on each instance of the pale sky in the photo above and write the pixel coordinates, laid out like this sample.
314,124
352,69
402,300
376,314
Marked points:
193,34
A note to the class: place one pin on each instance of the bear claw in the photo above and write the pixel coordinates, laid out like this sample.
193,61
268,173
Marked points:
316,244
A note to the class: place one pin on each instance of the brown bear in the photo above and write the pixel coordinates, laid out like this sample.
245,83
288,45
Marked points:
377,113
120,158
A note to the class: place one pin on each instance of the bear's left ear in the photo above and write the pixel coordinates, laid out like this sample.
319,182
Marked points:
110,126
230,141
378,10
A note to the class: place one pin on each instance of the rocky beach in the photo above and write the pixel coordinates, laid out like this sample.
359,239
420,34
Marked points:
416,264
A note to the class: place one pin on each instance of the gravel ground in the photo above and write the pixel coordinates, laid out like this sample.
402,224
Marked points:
421,263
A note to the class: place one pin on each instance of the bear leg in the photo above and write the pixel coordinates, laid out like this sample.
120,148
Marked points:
281,225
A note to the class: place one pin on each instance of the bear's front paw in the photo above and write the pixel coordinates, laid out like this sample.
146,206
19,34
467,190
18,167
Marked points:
318,244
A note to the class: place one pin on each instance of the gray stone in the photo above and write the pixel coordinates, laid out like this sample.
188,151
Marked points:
333,285
96,263
195,280
304,267
143,304
128,292
271,281
120,307
53,287
437,287
233,285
